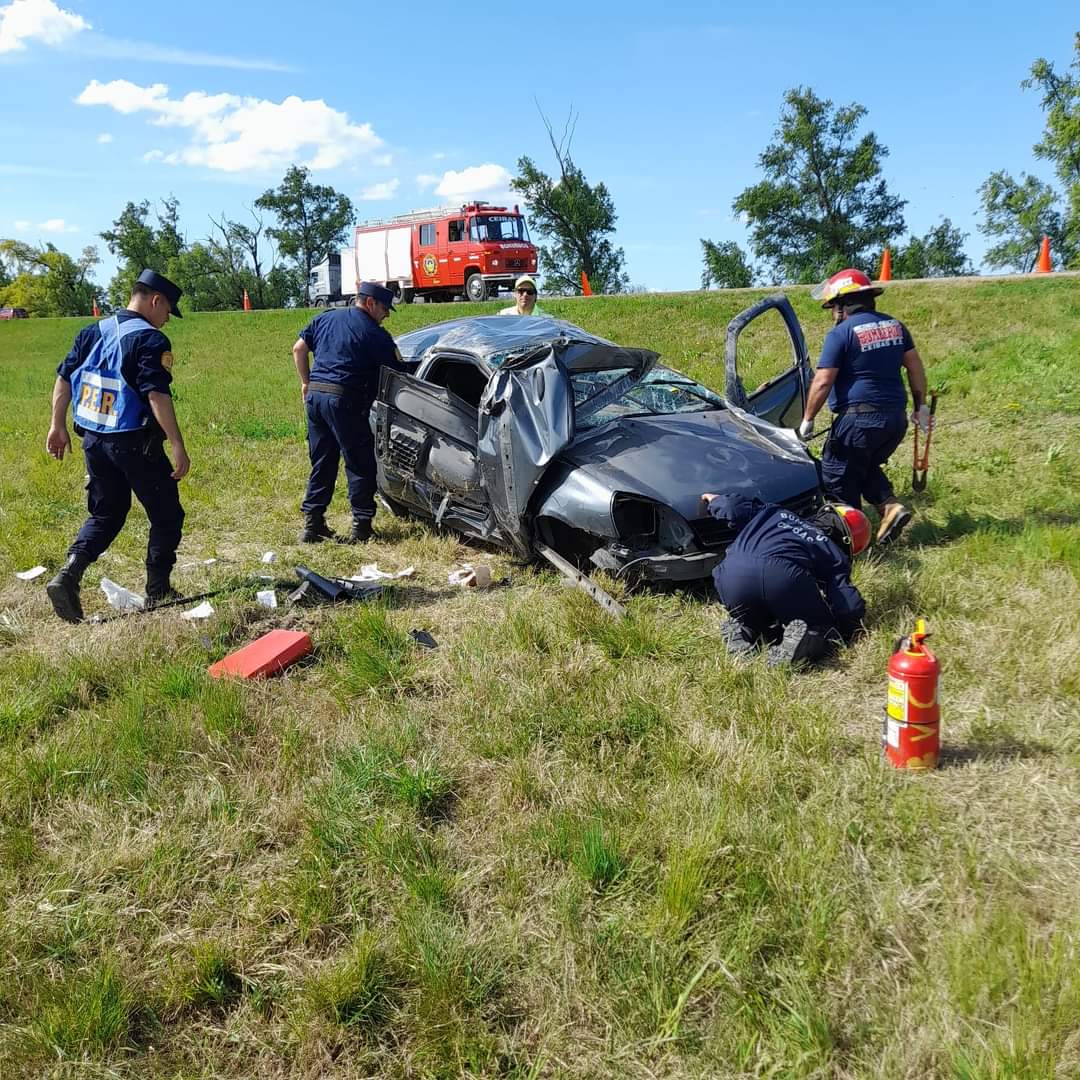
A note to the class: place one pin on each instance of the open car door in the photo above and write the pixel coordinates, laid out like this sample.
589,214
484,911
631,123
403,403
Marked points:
425,445
766,348
527,417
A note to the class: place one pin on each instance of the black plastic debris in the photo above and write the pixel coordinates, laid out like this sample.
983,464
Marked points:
317,589
422,637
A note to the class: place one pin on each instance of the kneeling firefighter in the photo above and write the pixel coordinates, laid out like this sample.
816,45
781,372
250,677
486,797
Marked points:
786,581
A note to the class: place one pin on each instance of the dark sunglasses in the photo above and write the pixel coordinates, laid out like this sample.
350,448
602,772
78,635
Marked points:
527,292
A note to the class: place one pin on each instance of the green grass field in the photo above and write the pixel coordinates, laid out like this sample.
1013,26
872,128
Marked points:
556,846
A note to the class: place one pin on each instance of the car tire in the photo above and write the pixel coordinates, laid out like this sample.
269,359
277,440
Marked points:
475,288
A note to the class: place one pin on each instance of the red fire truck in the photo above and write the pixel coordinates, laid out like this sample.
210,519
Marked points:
442,253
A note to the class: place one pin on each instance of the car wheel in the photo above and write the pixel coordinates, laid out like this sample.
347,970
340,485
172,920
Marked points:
408,295
475,288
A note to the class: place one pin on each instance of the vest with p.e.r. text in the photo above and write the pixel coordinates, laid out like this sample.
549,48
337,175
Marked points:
103,401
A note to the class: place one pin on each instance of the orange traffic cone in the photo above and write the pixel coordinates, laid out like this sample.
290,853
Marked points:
97,314
247,301
886,267
586,289
1043,265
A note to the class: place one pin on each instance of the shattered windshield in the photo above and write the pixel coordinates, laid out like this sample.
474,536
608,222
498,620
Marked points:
603,396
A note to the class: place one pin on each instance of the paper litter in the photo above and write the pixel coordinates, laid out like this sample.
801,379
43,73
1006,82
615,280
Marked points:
203,611
371,572
471,577
267,597
120,598
268,557
29,575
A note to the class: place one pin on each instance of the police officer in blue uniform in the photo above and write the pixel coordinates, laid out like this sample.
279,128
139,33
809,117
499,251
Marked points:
350,348
785,581
859,373
117,378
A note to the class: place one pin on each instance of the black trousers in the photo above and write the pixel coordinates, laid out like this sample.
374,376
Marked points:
119,465
339,428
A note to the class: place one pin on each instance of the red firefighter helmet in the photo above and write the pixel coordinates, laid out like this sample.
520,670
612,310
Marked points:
842,284
856,526
847,527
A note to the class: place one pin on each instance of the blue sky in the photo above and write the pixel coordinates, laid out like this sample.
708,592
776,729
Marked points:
430,103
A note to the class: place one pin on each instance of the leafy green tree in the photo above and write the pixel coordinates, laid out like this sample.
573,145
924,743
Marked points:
139,245
47,282
312,218
824,204
1018,214
938,253
576,218
725,266
1060,142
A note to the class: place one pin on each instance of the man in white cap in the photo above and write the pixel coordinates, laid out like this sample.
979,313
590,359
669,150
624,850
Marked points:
525,295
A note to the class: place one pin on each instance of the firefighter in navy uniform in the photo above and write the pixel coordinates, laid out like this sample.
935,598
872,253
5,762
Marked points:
859,373
786,581
350,348
117,378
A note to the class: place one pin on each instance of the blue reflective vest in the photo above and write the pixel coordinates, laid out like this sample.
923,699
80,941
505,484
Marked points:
103,400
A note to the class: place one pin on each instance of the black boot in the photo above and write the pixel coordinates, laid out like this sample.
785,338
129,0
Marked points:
63,589
804,645
361,529
315,529
740,640
158,588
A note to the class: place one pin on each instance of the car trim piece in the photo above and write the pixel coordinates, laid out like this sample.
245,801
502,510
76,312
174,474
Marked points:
583,582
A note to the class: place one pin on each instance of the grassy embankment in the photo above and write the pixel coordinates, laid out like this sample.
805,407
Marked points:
555,846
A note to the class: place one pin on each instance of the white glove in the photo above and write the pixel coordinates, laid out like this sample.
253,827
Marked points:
806,429
921,416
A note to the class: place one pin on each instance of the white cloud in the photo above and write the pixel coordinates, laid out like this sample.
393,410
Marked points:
426,180
52,225
234,134
37,20
384,190
474,181
384,161
104,47
104,137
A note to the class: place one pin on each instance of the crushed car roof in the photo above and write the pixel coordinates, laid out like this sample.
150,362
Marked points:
494,339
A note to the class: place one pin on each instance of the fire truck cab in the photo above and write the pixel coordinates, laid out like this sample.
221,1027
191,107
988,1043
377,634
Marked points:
471,252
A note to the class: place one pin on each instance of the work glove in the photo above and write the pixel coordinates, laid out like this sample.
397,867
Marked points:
922,417
806,429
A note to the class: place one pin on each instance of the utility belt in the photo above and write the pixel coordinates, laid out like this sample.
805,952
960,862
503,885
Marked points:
861,408
337,390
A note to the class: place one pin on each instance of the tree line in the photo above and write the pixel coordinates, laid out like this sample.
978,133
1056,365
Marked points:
822,204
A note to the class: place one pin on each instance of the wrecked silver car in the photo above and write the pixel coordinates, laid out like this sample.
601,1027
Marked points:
531,433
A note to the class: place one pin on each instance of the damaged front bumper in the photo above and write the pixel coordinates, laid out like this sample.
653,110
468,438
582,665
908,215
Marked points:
655,564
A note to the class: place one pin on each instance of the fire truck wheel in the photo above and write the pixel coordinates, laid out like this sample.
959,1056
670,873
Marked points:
320,301
408,295
475,288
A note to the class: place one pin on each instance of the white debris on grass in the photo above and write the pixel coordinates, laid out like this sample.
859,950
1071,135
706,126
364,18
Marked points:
203,611
29,575
371,572
268,557
470,577
267,597
120,598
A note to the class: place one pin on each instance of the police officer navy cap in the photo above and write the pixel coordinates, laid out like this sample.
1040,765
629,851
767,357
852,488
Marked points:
378,292
159,283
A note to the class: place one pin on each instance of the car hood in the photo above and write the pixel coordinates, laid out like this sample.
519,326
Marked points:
675,458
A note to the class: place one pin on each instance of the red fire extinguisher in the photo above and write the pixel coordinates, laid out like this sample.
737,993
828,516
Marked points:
912,735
